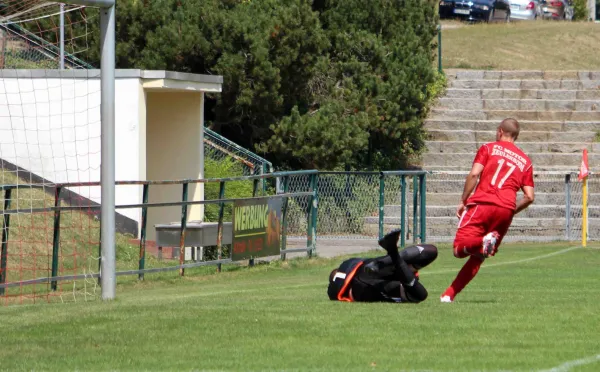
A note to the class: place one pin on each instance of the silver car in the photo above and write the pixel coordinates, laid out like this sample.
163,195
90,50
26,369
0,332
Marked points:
525,9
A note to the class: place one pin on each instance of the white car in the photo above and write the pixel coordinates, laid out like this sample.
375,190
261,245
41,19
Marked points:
525,9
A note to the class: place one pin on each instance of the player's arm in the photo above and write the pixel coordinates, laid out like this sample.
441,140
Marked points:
526,200
527,184
471,181
470,184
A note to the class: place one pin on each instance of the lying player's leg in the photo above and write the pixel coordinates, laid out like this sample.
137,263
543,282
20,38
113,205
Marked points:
419,256
416,256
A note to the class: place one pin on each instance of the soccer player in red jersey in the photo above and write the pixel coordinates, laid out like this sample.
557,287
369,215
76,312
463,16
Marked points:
484,217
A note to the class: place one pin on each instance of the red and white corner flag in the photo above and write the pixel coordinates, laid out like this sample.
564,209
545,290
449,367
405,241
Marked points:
583,168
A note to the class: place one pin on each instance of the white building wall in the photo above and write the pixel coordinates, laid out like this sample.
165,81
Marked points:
51,128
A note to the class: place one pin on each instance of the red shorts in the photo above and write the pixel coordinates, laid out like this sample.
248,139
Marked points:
480,219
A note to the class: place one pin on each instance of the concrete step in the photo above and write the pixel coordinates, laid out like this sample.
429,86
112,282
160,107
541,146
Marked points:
446,226
448,184
452,198
534,211
526,125
583,138
553,94
460,74
438,113
518,104
431,160
526,84
448,147
526,228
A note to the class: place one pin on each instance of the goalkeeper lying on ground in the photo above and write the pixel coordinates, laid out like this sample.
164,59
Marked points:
391,278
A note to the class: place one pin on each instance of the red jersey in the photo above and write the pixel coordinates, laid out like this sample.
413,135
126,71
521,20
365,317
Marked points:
506,169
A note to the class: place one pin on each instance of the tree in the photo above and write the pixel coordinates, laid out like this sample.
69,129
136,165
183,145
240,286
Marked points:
376,78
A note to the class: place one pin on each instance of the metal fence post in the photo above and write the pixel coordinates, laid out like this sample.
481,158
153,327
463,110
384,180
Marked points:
286,185
5,227
263,168
220,224
255,187
403,211
254,194
422,215
568,207
184,198
381,202
439,29
312,216
142,262
415,205
56,237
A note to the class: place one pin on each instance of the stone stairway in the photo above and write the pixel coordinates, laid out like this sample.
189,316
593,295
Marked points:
559,113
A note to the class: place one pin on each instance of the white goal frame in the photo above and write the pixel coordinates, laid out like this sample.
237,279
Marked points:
107,167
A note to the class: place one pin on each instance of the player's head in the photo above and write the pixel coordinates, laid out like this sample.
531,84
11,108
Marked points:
508,130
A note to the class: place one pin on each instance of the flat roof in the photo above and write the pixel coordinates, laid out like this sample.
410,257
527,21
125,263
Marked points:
119,74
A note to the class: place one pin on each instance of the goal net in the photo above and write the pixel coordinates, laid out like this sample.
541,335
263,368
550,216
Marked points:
49,135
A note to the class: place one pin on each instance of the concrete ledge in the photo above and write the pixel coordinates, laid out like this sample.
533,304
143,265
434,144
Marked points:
119,74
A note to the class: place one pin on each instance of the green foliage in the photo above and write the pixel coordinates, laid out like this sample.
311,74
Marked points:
21,61
373,89
580,10
238,189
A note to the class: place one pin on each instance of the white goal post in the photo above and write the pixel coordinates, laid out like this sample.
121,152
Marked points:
107,168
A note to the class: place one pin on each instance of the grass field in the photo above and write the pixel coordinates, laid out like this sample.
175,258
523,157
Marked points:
532,307
539,45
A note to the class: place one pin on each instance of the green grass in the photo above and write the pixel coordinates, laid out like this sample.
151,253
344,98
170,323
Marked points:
539,45
531,307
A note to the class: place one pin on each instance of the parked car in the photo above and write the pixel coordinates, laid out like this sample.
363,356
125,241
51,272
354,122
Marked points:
557,9
475,10
525,9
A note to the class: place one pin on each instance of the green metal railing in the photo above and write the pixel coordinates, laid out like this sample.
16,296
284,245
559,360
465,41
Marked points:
184,203
218,147
439,54
309,199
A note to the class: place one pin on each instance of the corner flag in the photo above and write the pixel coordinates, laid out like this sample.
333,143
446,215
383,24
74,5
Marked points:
583,168
583,175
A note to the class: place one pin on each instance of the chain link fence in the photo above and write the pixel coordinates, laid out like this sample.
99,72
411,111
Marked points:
22,49
356,205
574,207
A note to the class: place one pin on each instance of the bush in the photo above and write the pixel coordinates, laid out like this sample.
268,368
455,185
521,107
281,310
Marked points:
580,10
224,168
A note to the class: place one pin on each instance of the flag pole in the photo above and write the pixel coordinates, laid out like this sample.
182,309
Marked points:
583,176
585,213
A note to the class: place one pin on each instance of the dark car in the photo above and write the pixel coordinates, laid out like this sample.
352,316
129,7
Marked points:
476,10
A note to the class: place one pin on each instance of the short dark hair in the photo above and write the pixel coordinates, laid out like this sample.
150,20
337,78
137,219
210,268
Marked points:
510,126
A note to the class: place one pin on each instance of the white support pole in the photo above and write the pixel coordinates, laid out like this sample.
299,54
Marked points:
62,37
107,167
